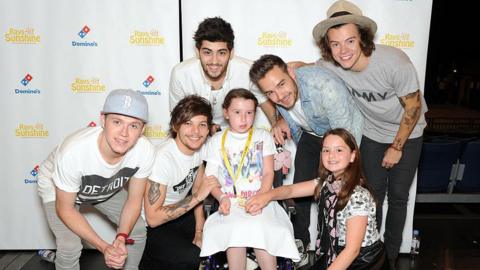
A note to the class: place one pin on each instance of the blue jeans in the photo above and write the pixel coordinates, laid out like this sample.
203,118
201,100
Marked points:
395,182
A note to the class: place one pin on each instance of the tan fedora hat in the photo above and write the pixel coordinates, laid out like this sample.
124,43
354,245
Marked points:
342,12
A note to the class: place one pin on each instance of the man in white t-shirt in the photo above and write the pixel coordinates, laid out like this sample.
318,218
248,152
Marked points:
106,167
177,185
215,71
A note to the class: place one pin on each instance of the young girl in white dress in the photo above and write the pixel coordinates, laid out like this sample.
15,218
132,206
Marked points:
241,157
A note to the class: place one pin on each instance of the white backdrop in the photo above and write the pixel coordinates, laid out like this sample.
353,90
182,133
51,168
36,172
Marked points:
54,81
124,44
284,28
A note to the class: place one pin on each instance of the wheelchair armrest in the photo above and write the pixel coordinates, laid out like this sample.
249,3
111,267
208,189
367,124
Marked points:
290,207
209,205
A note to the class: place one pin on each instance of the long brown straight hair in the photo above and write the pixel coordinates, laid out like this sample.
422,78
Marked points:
351,177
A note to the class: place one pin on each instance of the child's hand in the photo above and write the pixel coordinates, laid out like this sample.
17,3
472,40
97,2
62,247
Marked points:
256,203
224,207
255,213
208,183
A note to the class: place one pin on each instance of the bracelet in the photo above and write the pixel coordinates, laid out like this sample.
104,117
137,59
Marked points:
128,241
394,147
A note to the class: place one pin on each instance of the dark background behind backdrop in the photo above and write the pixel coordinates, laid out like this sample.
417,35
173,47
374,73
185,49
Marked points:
453,71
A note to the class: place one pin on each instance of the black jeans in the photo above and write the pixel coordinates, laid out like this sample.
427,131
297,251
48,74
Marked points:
307,160
169,246
395,181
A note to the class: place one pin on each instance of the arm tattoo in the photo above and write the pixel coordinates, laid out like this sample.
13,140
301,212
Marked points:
398,143
415,94
153,192
412,115
175,210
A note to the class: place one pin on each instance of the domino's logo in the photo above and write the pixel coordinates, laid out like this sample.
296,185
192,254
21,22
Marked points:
148,81
26,91
84,31
34,172
84,43
149,91
26,79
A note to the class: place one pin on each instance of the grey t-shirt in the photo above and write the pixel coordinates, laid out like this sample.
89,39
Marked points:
389,75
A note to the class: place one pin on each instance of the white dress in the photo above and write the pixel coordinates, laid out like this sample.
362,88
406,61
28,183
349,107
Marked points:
271,230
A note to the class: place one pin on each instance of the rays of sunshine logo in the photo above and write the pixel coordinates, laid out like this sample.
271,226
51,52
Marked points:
33,173
26,91
31,131
401,41
92,85
147,90
276,40
155,132
149,38
84,43
22,36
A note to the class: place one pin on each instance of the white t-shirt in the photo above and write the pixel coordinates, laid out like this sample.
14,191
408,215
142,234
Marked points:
298,115
249,180
188,78
175,170
76,165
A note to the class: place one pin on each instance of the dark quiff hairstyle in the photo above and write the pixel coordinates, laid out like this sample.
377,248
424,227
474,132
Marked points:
214,29
366,43
187,108
263,65
239,93
351,177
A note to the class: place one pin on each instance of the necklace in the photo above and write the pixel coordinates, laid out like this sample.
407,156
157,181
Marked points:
234,175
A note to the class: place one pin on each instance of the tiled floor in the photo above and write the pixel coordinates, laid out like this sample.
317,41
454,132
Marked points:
450,239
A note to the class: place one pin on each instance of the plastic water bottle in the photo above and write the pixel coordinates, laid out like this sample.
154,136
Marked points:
47,255
415,249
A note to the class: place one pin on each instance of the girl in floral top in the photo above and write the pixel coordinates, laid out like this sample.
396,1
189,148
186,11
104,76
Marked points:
348,236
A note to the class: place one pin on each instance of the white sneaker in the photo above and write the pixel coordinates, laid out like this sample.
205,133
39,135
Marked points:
251,264
300,247
303,254
303,260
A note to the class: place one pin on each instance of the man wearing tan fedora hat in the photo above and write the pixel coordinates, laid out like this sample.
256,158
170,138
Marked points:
384,84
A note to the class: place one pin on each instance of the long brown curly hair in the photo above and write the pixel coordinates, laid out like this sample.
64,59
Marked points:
366,43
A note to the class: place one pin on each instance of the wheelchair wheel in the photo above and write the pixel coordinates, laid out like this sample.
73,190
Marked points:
285,264
216,262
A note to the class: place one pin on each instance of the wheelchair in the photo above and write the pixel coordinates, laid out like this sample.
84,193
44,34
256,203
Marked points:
218,261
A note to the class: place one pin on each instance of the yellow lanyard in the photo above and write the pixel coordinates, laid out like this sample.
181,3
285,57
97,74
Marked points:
244,153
